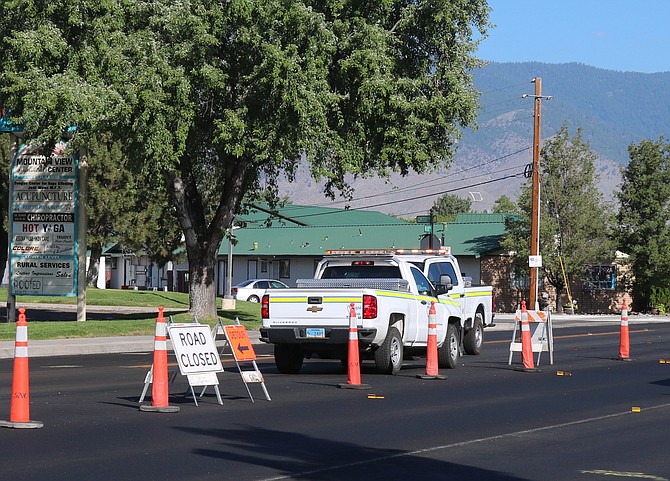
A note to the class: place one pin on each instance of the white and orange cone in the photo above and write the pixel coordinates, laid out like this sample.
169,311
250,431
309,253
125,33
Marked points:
19,415
353,356
526,342
160,380
432,369
624,335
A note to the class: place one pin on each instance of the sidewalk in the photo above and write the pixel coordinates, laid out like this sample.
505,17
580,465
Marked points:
129,344
92,345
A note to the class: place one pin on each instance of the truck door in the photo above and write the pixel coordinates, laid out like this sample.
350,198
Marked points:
457,292
420,321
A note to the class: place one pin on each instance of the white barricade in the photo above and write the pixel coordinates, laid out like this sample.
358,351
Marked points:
542,337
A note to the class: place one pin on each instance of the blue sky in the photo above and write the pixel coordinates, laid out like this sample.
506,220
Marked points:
625,35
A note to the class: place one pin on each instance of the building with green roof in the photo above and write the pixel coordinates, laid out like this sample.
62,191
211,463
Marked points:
287,244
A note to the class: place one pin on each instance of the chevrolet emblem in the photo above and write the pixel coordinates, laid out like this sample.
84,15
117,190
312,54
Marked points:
315,309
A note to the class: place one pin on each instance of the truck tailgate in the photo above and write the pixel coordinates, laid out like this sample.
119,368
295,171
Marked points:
314,307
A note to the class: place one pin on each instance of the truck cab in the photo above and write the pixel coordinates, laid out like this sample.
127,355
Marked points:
475,302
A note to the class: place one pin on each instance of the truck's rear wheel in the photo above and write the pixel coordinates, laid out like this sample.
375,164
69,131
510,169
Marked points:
288,358
388,357
447,355
474,339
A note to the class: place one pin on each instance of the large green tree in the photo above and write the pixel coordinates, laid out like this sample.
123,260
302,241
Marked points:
126,209
644,215
448,206
575,221
504,205
219,98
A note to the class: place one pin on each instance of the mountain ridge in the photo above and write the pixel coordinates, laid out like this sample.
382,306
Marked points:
613,108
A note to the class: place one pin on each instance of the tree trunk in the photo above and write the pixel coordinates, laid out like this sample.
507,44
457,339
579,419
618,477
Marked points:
202,236
94,265
202,286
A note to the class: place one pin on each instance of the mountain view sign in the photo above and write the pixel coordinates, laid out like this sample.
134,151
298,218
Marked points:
43,227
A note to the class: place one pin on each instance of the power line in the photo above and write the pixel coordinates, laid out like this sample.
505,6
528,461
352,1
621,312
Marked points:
414,198
505,88
450,190
437,179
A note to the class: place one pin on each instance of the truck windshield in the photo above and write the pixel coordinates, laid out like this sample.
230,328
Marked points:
361,272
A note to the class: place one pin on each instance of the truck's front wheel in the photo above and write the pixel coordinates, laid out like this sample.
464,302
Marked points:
447,355
474,339
288,358
388,357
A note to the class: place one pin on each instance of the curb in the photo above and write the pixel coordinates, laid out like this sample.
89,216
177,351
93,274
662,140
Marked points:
144,344
93,345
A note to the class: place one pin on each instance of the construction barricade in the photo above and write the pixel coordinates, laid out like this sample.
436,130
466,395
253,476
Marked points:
536,328
237,340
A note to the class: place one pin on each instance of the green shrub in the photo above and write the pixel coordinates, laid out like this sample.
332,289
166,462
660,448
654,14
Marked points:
660,298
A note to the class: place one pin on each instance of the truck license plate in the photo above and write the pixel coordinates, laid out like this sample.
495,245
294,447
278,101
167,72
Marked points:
316,332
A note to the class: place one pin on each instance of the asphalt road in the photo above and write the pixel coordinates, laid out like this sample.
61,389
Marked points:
487,421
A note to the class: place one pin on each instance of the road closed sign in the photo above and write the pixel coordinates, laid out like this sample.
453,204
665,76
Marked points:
195,349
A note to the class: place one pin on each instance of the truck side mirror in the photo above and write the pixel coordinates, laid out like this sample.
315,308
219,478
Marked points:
446,283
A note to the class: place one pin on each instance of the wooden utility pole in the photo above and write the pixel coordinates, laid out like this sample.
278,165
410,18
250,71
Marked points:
535,209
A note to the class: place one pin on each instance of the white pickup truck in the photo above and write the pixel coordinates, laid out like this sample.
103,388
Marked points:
392,296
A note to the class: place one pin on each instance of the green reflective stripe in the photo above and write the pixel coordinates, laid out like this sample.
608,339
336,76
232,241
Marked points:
399,295
288,299
450,303
324,300
341,299
472,294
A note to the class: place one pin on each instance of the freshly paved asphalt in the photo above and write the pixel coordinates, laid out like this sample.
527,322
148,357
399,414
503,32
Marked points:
121,344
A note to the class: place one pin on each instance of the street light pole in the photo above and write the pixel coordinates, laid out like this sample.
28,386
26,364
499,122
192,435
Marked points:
228,300
535,208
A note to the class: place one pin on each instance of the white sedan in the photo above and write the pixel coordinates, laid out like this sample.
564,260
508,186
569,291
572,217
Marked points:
252,290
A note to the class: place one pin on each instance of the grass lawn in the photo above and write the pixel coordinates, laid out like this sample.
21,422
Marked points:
136,324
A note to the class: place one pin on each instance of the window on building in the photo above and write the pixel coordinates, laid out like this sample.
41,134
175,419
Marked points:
600,277
284,268
264,266
519,279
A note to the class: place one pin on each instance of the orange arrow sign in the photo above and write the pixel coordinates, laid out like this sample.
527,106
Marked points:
239,340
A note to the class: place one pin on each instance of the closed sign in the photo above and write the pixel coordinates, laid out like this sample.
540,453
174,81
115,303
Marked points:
194,349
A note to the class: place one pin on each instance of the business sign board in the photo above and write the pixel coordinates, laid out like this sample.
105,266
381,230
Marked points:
43,222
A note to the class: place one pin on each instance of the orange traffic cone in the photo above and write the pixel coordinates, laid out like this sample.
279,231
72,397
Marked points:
526,342
19,414
159,386
624,336
431,350
354,365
